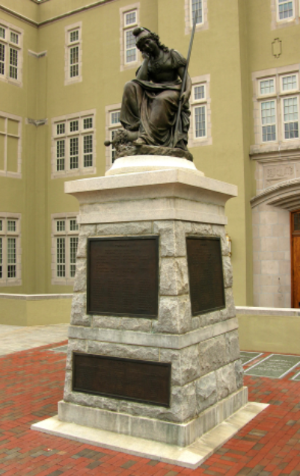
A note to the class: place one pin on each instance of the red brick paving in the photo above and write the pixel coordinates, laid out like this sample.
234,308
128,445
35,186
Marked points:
31,384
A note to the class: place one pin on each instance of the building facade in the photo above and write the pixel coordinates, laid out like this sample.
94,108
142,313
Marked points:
63,66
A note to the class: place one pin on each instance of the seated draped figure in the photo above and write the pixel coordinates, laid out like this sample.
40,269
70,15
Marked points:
150,103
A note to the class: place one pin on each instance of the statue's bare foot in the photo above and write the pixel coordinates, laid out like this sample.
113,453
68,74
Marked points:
139,142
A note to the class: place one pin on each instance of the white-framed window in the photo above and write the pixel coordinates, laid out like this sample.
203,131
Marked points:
285,10
129,18
73,144
200,130
191,8
276,108
113,124
11,53
10,249
64,247
73,53
10,145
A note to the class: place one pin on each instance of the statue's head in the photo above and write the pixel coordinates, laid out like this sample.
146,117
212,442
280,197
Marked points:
143,34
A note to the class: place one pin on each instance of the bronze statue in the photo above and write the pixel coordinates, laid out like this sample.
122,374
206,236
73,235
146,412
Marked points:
150,104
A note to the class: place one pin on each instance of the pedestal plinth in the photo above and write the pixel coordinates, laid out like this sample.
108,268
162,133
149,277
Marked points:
166,370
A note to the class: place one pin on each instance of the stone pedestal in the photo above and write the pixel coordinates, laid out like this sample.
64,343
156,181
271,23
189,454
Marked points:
173,202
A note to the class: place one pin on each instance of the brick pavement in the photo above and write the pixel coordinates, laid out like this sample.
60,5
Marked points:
31,383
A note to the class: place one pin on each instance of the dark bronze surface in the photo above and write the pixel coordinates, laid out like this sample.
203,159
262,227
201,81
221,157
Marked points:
123,276
205,274
138,380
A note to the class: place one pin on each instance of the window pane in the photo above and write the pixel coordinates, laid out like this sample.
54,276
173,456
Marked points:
1,225
11,257
88,123
60,128
74,153
88,151
74,35
267,86
200,127
73,225
73,251
2,58
290,117
268,112
197,7
13,63
14,38
130,18
74,58
115,117
74,126
285,9
60,225
130,47
61,257
289,82
11,225
60,154
199,92
2,32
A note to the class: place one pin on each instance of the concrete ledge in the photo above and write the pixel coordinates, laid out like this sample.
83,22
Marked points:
269,330
35,309
190,457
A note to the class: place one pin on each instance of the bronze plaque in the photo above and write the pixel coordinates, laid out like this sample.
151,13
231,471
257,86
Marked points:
123,276
205,274
138,380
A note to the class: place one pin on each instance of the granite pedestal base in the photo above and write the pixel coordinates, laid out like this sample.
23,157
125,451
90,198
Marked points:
206,385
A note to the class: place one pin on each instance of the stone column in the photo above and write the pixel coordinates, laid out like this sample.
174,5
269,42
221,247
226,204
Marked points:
170,199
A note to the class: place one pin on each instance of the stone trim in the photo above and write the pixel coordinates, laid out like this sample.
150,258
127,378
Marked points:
5,172
68,46
108,129
19,47
17,281
37,55
187,17
266,311
169,341
122,11
34,122
65,281
276,23
207,140
35,297
284,195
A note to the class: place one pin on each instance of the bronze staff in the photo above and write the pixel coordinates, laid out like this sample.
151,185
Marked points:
184,80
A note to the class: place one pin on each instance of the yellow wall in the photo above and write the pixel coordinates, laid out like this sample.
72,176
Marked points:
37,312
237,42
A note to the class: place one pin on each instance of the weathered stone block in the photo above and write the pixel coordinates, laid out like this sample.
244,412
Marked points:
220,231
233,345
173,276
185,364
78,309
239,373
201,229
227,272
80,276
174,315
74,345
123,351
206,391
226,381
127,228
172,237
212,354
